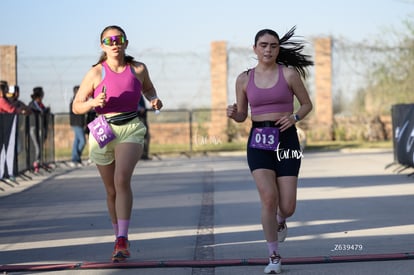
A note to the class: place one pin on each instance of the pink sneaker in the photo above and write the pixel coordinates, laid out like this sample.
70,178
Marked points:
35,167
121,252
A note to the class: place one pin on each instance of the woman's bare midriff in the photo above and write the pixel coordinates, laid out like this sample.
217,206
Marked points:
269,116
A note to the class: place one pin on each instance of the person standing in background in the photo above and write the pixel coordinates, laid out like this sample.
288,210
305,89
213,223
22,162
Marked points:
143,115
13,96
38,128
90,116
77,122
114,87
269,88
5,105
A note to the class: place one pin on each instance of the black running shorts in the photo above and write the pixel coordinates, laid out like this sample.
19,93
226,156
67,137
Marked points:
285,160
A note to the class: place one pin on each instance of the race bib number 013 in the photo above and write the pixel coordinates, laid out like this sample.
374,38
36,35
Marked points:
265,138
101,131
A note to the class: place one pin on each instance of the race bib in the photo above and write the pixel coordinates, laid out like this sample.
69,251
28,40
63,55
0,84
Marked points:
101,131
265,138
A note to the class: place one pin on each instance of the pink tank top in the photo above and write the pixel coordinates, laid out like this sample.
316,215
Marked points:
123,91
277,99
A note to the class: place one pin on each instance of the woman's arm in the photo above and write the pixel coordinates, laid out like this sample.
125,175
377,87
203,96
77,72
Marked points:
83,103
148,89
296,85
238,111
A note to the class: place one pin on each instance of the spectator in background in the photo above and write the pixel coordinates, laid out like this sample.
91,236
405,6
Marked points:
143,115
5,105
13,96
38,129
77,122
90,116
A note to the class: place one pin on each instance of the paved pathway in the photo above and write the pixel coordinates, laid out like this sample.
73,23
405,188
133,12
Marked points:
201,215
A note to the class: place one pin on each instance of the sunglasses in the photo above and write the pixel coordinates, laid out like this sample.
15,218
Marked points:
109,41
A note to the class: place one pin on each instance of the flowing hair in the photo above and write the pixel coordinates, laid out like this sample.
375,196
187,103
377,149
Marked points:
128,59
290,53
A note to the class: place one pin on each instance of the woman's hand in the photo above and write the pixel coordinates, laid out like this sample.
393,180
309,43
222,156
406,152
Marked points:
232,110
156,104
99,100
286,122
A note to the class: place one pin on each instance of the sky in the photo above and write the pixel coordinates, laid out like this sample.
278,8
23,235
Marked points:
69,28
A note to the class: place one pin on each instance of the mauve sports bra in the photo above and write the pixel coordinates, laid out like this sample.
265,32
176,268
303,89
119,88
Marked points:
277,99
123,91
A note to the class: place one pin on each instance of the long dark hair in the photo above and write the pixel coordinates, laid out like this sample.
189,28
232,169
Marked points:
128,59
290,53
3,88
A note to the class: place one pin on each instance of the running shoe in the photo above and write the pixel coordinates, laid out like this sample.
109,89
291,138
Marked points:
121,252
36,167
282,232
274,266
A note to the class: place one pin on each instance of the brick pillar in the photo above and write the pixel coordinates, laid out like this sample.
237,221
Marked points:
8,64
323,85
218,74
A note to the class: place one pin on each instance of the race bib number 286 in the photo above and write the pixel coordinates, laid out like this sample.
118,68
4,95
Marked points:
265,138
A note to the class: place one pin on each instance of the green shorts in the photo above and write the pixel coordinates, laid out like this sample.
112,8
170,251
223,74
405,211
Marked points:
131,132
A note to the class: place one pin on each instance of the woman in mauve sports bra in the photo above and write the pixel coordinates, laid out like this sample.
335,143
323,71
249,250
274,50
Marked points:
273,150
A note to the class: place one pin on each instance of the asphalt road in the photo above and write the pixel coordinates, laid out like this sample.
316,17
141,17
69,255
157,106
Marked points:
201,215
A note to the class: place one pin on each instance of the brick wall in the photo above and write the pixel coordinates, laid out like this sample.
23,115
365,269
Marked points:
8,64
218,76
323,86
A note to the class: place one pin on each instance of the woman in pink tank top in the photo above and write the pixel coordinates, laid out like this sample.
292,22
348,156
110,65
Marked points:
113,87
273,150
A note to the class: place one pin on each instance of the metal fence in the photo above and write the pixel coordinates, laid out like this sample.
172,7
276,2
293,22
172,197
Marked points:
176,131
25,140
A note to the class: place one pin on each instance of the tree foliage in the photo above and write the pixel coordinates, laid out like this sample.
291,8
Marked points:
391,81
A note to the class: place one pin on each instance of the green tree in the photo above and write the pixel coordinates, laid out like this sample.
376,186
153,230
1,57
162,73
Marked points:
391,81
